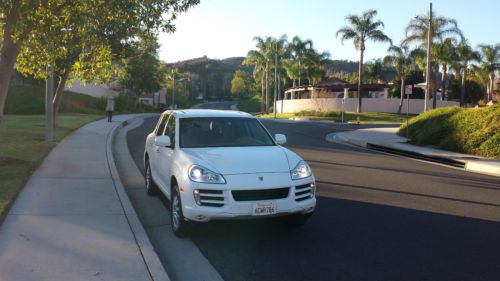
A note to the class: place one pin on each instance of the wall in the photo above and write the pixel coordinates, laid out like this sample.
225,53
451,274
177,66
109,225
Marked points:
368,105
92,89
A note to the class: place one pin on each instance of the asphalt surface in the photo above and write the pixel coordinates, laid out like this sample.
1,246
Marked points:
379,217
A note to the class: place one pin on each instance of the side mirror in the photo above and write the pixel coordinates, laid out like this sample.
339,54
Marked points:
280,138
163,141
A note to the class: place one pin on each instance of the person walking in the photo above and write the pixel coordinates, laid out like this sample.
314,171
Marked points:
110,107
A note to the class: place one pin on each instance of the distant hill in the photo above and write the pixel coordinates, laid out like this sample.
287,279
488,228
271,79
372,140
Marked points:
213,76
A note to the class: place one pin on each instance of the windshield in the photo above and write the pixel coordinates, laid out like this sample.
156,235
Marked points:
222,131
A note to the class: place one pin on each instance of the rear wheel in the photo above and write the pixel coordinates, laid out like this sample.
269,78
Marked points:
180,226
151,187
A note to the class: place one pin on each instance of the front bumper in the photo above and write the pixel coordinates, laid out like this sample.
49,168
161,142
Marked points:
297,201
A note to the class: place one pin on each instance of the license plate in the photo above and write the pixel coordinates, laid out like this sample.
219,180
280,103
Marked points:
262,209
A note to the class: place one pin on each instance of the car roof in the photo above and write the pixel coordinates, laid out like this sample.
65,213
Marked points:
187,113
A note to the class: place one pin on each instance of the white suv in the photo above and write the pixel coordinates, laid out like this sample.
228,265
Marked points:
224,164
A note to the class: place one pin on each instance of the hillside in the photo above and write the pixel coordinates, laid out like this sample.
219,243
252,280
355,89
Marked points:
212,77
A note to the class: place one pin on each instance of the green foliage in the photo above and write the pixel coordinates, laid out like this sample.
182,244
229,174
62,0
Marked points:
251,105
30,99
143,71
472,131
473,91
241,84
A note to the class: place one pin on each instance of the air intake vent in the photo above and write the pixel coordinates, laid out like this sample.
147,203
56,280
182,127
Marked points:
260,194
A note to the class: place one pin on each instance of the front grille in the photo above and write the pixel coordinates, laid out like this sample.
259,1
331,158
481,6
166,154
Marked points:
260,194
304,192
211,198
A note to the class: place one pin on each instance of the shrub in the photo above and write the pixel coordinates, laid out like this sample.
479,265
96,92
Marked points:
473,131
250,105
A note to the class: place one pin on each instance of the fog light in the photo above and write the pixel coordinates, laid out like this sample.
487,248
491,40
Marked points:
197,199
313,189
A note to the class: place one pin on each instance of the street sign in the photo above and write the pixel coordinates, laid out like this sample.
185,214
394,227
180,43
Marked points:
408,90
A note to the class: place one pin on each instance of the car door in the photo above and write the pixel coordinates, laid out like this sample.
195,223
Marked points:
154,150
166,155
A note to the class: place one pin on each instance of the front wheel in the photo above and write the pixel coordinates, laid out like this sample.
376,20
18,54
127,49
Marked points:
151,188
180,226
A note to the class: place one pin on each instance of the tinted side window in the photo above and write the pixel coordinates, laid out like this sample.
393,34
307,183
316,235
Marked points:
161,127
170,130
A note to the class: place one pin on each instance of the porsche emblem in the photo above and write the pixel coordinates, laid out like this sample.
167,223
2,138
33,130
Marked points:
261,178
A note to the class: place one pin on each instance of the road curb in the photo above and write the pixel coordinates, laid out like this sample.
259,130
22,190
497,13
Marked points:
486,167
151,259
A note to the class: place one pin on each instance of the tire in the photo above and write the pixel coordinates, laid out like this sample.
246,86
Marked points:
149,183
180,226
298,220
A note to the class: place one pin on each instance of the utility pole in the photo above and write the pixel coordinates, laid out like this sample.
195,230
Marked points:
428,68
275,78
49,109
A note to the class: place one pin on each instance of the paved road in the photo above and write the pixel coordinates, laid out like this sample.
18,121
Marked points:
379,217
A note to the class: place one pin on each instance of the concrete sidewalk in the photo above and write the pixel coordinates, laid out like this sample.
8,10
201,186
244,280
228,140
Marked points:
72,222
387,138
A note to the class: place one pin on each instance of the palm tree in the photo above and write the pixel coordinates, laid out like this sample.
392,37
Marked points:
404,61
264,56
445,55
481,75
465,54
315,66
279,51
299,50
441,28
257,59
360,29
490,61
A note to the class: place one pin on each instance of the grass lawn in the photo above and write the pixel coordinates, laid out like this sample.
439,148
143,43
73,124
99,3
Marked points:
349,117
23,148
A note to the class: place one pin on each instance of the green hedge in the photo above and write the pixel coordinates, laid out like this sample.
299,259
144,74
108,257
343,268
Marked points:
30,99
472,131
251,105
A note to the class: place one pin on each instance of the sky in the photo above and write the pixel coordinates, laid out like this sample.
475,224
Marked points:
225,28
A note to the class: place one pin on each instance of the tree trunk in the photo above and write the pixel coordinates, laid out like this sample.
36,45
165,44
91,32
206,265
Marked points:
492,86
434,96
262,105
267,89
462,86
56,103
403,85
443,80
360,75
8,54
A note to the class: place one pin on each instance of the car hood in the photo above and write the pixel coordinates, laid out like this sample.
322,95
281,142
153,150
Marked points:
241,160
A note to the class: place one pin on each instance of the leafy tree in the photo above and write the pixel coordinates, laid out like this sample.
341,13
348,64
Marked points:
360,29
441,28
445,54
116,20
490,62
465,54
481,75
143,71
404,61
241,84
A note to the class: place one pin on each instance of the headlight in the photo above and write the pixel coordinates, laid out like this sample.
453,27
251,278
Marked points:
200,174
301,171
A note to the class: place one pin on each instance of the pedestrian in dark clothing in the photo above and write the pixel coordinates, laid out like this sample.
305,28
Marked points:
110,107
